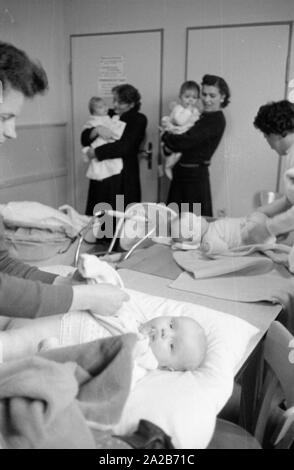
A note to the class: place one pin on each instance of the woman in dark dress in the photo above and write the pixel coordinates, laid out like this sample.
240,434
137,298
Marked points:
126,103
190,182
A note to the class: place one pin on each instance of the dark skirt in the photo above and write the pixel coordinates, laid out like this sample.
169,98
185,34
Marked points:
191,185
104,191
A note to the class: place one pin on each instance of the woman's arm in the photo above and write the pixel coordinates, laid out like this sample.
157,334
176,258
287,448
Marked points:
202,131
25,298
22,298
128,143
86,138
25,291
16,268
280,205
89,134
278,225
281,223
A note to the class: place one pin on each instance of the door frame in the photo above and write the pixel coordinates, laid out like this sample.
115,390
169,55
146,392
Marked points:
111,33
287,68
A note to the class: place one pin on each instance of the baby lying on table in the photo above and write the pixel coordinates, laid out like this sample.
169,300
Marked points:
188,231
166,342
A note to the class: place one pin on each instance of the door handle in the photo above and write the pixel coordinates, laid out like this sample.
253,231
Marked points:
147,154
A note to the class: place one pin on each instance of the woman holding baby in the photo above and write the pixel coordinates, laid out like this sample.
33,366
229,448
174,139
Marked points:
126,104
190,183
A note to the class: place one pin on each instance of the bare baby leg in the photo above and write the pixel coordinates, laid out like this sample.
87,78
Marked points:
22,337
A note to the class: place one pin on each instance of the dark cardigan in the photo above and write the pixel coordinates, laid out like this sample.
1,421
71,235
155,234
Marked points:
127,148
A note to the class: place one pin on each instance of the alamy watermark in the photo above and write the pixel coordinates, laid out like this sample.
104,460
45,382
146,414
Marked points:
139,220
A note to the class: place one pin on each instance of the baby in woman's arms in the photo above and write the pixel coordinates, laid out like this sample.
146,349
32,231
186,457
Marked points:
182,117
99,117
190,231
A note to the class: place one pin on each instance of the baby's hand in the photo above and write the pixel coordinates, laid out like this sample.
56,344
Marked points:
165,120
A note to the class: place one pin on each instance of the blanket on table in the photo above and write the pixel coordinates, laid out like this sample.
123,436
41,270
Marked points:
259,282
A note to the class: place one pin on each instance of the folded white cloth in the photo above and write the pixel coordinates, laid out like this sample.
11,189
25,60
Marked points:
97,271
202,267
33,214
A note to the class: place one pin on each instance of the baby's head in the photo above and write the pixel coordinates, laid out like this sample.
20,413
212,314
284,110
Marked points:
188,228
189,93
178,343
97,106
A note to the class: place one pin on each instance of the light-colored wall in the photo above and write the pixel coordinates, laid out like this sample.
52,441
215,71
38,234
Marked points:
43,27
37,26
92,16
174,16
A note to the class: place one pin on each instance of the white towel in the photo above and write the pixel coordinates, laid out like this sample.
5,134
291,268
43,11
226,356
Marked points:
97,271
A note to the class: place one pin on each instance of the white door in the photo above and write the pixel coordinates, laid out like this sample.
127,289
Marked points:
102,60
253,60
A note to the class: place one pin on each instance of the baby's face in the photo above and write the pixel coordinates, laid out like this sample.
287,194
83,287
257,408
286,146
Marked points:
178,343
100,109
189,98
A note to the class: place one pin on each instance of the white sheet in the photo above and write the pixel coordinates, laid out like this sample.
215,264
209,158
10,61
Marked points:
185,404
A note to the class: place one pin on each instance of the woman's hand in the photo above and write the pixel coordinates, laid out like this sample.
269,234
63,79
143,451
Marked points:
165,150
102,299
63,280
73,278
91,153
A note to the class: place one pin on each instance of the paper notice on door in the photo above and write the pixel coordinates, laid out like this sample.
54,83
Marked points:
111,74
105,86
111,67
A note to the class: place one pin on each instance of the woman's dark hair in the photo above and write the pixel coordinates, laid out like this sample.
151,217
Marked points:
128,94
189,85
19,72
275,118
221,84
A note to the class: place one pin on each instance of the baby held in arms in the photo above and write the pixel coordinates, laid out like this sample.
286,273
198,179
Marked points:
99,117
182,117
189,231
